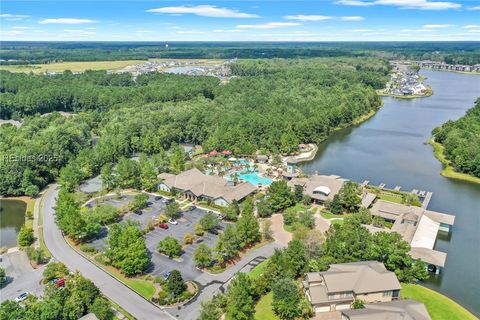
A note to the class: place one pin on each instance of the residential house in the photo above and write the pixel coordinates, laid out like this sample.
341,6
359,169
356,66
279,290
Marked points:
195,185
341,284
393,310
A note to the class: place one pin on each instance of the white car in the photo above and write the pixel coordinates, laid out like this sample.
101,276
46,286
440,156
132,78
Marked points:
22,297
173,221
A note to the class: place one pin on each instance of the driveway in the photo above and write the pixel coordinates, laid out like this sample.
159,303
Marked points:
21,277
321,223
133,303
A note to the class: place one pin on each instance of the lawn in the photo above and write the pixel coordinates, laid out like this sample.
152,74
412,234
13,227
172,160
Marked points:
74,66
439,306
387,196
143,287
263,309
258,270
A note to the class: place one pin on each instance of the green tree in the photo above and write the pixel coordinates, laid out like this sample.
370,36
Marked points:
3,276
280,196
241,305
128,173
25,236
232,211
177,160
286,299
248,228
139,202
127,249
210,311
148,173
169,246
102,309
202,256
296,254
55,270
173,210
227,245
298,193
108,177
209,222
175,284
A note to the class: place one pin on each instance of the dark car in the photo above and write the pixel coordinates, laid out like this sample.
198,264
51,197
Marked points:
213,231
192,208
158,198
166,275
163,226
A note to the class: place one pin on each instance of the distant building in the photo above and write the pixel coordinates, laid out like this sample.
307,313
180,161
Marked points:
195,185
336,288
319,187
393,310
417,226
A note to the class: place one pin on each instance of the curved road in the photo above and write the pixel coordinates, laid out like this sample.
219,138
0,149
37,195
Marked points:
136,305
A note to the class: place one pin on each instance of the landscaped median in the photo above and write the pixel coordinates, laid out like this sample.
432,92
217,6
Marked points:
439,306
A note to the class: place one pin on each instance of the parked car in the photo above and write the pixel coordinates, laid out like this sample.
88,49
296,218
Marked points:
213,231
59,282
192,208
220,216
173,221
157,198
22,297
163,226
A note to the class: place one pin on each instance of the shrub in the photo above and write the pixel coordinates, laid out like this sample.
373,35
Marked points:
169,246
36,255
188,238
175,284
55,270
88,248
25,236
199,230
162,218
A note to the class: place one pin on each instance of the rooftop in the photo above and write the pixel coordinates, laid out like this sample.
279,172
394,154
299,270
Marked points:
393,310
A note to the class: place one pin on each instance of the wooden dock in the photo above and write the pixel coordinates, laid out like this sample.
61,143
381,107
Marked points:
382,185
427,199
397,188
365,183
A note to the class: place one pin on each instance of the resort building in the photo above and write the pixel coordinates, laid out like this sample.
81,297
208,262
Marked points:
291,172
321,188
195,185
341,284
393,310
417,226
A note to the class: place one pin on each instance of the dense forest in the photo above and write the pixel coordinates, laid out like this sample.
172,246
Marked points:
43,52
461,141
271,105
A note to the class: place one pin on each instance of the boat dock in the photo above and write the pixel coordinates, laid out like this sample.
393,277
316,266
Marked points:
427,199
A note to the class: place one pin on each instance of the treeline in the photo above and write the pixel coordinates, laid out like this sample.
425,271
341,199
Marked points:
273,105
46,52
461,141
27,94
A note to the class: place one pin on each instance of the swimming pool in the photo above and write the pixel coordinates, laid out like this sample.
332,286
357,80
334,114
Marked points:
252,177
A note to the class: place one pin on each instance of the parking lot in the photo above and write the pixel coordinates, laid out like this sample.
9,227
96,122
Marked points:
186,224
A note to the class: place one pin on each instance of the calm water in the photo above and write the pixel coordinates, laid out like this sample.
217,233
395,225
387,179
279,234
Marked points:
390,148
12,217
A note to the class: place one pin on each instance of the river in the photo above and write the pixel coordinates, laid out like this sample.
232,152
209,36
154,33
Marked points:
390,148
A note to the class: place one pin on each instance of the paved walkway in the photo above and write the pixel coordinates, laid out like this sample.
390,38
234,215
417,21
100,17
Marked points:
282,237
321,223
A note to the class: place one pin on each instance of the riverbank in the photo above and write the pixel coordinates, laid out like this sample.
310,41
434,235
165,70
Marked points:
439,306
448,171
406,97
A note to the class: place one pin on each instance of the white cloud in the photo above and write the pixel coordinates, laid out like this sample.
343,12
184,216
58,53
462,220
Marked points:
11,33
474,31
352,18
405,4
204,11
437,26
143,31
66,21
474,8
20,28
269,25
361,30
13,17
227,31
189,32
303,17
471,26
79,32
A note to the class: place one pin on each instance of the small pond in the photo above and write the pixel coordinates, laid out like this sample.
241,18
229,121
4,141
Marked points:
12,217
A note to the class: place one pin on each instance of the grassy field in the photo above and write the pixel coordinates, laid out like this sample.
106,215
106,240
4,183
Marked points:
77,66
80,66
439,306
258,270
448,171
143,287
263,309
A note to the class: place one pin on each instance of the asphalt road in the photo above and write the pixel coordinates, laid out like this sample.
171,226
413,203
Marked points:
136,305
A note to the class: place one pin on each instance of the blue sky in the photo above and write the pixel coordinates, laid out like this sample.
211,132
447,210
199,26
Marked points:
325,20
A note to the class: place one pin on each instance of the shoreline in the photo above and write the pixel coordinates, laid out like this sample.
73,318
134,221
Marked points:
448,171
